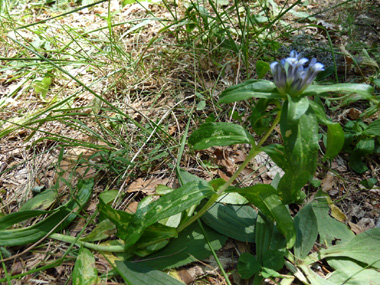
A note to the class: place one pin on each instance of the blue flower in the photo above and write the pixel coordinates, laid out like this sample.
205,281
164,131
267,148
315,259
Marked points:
290,75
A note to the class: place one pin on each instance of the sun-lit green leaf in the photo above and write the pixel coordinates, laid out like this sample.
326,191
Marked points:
296,108
41,85
363,89
307,231
41,201
167,205
219,134
329,229
120,219
363,247
85,272
252,88
349,272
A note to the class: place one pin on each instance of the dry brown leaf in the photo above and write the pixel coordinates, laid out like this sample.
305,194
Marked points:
146,186
355,228
353,114
327,183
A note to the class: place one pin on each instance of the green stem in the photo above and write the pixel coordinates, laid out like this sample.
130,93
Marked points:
255,150
70,239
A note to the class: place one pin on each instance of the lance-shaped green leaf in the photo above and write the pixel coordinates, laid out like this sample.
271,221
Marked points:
250,89
296,108
190,246
335,133
235,221
363,89
136,273
119,218
219,134
301,149
307,231
270,244
265,198
363,247
64,215
85,271
168,205
373,129
335,140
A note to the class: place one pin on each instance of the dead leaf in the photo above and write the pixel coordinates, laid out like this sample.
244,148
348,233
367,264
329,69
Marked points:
353,114
148,186
337,213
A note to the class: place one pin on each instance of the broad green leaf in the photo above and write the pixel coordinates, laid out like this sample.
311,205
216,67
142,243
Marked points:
108,196
296,108
186,177
351,273
247,265
270,244
265,198
219,134
41,201
84,271
154,238
373,129
320,113
120,219
232,198
103,230
364,247
329,229
335,140
262,68
168,205
250,89
190,246
237,222
139,274
301,149
64,215
277,154
307,231
363,89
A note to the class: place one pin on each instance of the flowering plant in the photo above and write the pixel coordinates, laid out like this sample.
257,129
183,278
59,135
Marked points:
291,77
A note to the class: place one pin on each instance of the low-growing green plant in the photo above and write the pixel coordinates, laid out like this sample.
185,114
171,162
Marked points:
361,140
168,231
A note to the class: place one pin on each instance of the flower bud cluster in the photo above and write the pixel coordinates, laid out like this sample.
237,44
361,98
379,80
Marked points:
290,75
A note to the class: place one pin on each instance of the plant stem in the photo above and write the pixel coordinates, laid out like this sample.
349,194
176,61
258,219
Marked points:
70,239
255,150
